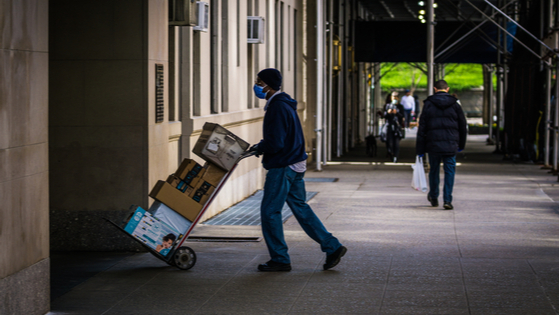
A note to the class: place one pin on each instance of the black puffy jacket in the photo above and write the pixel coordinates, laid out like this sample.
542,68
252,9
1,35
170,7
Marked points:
442,128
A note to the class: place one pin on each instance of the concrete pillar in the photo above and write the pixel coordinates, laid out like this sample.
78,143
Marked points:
24,183
378,98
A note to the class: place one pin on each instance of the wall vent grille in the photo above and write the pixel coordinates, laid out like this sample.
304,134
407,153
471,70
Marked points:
160,104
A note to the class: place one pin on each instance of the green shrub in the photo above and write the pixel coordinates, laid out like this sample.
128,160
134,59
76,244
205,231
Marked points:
460,77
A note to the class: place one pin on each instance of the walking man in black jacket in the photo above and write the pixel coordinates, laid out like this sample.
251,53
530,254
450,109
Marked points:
442,132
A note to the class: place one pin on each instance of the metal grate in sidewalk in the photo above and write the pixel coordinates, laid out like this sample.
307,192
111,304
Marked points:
248,212
320,179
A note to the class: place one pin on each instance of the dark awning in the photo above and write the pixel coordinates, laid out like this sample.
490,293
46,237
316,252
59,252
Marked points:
388,41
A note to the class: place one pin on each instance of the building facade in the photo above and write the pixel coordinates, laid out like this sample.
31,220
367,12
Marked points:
101,99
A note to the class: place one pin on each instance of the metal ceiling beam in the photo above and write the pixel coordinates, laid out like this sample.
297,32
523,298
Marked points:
459,12
465,20
521,27
505,30
387,9
497,45
409,9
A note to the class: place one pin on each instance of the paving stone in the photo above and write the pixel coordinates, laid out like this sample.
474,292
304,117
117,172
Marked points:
526,300
511,311
413,310
438,299
496,253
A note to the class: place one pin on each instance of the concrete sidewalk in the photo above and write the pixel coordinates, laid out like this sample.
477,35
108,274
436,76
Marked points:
496,253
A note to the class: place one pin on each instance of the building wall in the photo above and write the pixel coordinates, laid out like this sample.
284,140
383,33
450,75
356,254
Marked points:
24,186
106,149
236,64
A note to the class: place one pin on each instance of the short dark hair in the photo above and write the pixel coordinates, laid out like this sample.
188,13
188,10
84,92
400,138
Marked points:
441,85
170,237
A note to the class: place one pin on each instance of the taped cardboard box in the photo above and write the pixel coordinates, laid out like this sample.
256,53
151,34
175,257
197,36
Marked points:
180,184
202,192
176,200
213,174
219,146
188,170
173,180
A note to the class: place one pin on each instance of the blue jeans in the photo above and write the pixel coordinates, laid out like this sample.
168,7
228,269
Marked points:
449,170
407,117
285,185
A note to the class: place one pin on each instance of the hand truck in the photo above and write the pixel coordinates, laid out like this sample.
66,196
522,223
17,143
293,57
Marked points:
183,257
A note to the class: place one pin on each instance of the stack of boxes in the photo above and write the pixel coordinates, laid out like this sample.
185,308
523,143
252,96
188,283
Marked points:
181,198
189,188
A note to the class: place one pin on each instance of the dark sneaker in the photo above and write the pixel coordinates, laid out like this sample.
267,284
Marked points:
447,206
274,266
334,258
433,201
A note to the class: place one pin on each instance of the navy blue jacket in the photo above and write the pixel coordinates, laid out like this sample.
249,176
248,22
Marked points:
283,143
443,127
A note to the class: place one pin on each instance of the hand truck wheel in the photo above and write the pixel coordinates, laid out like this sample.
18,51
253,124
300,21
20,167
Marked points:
184,258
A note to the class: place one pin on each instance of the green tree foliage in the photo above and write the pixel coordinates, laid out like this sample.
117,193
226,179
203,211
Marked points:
402,75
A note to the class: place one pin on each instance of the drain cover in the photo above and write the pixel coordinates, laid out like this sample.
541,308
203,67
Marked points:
248,212
224,239
320,179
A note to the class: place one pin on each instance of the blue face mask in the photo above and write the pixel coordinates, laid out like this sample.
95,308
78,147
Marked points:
259,91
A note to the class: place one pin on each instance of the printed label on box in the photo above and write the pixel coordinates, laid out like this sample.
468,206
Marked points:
152,231
219,146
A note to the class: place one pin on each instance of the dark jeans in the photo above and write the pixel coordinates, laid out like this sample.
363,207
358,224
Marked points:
449,178
407,117
393,143
284,185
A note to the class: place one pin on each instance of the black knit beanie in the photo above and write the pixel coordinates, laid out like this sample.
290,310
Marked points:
272,78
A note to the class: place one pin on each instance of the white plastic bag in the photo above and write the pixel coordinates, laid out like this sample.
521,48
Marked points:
418,176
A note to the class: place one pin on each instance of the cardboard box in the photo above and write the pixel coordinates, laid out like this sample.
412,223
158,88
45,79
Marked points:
181,185
176,200
152,231
213,174
202,192
219,146
173,180
188,167
191,179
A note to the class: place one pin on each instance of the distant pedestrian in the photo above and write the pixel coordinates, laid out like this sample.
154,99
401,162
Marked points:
283,149
408,104
394,116
442,132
